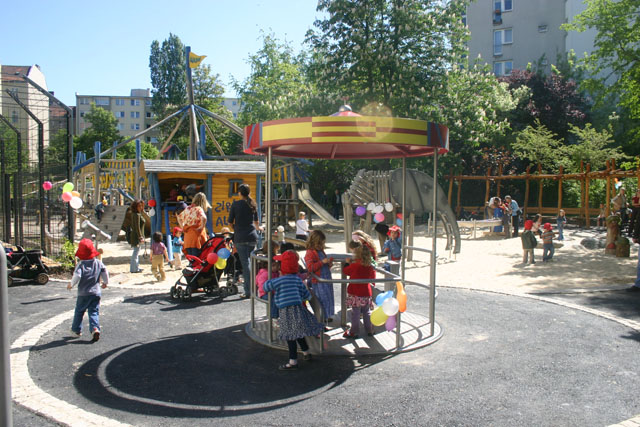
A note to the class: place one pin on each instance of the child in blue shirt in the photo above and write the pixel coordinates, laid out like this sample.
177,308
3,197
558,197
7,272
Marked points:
87,275
393,245
296,322
176,247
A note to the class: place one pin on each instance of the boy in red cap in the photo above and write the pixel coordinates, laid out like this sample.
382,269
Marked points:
296,322
529,242
87,275
547,242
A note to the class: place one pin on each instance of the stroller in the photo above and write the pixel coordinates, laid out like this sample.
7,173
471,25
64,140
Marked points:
200,276
26,266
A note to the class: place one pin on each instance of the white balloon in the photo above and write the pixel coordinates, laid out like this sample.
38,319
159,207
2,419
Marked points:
152,212
371,206
75,202
378,209
388,207
390,306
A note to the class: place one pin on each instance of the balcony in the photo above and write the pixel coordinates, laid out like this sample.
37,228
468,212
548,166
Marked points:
497,17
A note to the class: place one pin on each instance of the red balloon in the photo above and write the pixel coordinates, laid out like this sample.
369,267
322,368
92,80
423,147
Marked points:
212,258
152,203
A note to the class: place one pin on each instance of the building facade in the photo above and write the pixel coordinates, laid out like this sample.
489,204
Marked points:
510,34
233,104
33,99
133,113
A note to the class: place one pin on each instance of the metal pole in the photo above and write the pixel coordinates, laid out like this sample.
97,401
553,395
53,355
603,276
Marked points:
5,196
432,267
193,149
6,414
404,245
96,172
17,184
40,188
268,230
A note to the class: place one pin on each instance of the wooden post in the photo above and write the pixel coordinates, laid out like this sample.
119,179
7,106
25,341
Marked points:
560,187
499,183
458,206
486,192
526,193
607,211
539,190
587,183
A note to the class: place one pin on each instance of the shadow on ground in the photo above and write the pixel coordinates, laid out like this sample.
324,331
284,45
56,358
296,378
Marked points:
218,373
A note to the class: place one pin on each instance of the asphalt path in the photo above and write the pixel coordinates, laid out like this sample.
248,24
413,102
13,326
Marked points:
503,360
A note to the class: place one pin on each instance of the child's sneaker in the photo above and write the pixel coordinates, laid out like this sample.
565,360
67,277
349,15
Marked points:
75,334
96,335
348,334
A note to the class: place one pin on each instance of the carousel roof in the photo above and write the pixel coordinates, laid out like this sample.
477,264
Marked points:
346,136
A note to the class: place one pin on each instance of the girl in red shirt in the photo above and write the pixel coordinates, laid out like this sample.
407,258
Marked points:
359,294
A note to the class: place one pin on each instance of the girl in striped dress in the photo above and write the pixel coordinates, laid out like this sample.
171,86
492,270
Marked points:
319,264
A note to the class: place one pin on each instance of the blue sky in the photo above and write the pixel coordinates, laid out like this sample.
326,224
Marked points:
102,47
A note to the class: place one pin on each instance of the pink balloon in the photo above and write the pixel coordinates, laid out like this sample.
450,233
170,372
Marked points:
67,196
47,185
390,324
379,217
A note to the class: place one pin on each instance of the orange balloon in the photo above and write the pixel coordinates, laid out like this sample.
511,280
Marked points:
401,296
74,193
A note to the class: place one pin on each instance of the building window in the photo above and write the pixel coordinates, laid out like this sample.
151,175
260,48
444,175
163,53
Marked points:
234,103
147,103
464,22
84,101
148,114
120,126
501,37
119,114
154,140
135,126
135,114
234,187
222,102
135,102
503,5
542,28
14,116
102,101
81,113
502,68
119,101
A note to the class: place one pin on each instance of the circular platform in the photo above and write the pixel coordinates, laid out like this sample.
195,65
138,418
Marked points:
414,334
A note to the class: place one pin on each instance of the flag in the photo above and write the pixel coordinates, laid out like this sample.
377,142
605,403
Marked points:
195,60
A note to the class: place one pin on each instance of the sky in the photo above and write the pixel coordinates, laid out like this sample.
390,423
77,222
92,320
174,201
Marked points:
102,47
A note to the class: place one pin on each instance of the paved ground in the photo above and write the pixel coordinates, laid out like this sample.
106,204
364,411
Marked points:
503,360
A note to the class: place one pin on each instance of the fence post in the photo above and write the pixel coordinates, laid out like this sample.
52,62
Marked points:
6,415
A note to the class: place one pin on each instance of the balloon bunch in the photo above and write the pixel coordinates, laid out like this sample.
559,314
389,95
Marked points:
68,194
388,307
219,259
152,205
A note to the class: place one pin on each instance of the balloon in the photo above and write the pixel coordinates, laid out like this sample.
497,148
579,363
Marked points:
152,203
379,217
74,193
221,263
361,210
399,216
378,317
378,209
212,258
47,185
402,297
152,212
67,188
224,253
399,222
390,324
76,202
383,296
180,198
67,196
390,306
388,207
371,206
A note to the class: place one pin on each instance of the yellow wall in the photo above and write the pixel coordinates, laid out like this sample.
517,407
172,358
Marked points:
220,200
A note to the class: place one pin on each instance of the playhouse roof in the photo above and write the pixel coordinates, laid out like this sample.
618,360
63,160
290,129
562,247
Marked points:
346,137
203,166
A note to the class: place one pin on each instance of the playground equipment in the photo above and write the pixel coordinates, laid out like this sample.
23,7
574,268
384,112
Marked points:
348,135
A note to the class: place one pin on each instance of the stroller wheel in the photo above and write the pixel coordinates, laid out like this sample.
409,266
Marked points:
234,289
224,292
42,278
175,294
186,294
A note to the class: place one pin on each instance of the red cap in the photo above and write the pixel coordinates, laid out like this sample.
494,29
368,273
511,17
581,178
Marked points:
528,224
546,226
394,228
86,250
288,262
177,230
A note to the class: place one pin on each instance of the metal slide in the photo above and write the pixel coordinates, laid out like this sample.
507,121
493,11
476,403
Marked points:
305,197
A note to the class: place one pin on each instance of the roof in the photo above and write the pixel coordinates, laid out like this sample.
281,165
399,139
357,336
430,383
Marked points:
12,72
203,166
347,136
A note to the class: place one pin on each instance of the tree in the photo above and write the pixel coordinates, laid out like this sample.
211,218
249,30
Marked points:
56,151
593,147
538,145
393,52
167,64
128,151
617,47
103,128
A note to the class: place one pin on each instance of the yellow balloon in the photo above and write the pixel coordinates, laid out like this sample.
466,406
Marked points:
221,263
378,318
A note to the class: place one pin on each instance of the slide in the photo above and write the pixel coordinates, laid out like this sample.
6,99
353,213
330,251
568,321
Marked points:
305,197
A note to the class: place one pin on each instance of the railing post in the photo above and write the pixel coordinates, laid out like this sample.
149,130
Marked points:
5,373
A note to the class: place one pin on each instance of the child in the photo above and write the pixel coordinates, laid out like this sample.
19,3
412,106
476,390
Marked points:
537,223
296,322
561,220
87,275
302,227
176,247
547,240
263,276
529,242
393,245
365,239
319,264
158,254
359,294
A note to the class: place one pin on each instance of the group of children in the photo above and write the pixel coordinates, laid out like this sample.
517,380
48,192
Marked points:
545,232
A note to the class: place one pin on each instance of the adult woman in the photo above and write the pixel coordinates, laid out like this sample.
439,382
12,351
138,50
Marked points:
243,216
136,233
194,220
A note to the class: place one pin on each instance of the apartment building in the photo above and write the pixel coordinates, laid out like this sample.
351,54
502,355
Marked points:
33,99
509,34
133,113
233,104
